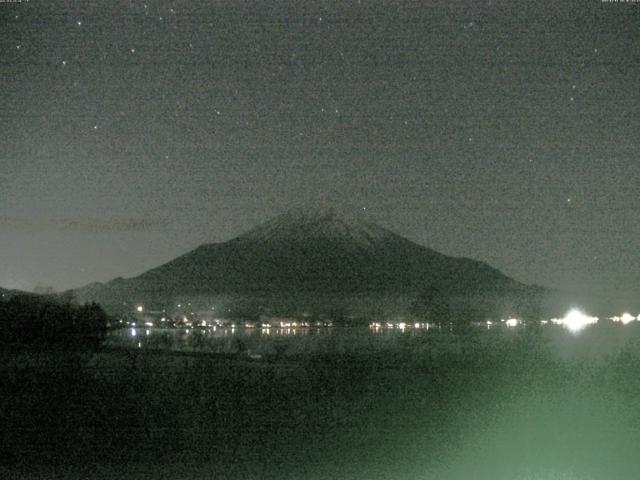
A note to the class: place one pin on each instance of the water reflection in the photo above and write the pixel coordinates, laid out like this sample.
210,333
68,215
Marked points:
379,328
574,336
248,339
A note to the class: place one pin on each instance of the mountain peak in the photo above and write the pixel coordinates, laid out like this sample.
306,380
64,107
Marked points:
307,225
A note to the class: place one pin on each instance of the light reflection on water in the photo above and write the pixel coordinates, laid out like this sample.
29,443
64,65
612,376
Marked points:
236,339
594,341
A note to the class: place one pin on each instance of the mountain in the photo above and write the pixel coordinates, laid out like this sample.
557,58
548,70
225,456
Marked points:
308,257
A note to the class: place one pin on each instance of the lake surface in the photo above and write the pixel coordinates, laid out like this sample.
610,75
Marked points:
593,343
336,403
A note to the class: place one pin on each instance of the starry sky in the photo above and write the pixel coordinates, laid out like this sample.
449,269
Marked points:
504,131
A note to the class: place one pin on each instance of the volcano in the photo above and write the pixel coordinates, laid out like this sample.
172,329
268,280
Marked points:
309,255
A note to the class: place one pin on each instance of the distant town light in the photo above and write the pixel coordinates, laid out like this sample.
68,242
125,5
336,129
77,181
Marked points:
575,320
140,308
512,322
627,318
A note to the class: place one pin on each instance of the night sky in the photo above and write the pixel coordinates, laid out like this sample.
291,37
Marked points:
505,131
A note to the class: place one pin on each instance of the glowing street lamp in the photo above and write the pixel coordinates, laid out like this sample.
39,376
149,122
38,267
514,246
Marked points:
575,320
512,322
627,318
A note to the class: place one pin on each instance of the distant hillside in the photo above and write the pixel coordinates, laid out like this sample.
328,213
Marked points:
306,258
8,293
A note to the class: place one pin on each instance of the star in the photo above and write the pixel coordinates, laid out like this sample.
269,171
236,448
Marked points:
79,23
64,62
133,50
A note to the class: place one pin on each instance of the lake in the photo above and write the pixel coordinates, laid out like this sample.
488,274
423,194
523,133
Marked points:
330,403
593,343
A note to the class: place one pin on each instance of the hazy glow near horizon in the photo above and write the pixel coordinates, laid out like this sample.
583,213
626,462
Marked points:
575,320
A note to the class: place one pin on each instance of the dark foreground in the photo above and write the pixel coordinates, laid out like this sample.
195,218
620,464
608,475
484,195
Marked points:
481,405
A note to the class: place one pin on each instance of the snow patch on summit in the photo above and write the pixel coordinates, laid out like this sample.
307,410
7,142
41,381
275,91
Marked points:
301,226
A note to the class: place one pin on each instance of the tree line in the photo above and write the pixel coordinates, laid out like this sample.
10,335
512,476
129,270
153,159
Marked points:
48,320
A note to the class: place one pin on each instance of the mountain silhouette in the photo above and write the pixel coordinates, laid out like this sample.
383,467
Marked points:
310,254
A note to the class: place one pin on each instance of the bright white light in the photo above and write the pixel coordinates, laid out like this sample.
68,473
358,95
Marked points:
133,332
139,308
512,322
575,320
627,318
